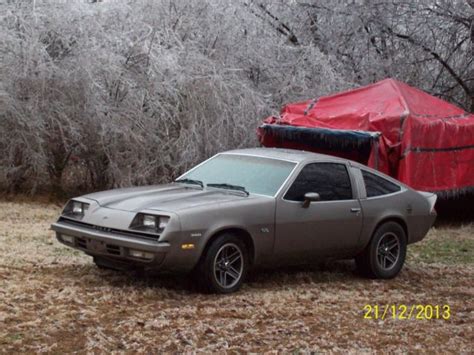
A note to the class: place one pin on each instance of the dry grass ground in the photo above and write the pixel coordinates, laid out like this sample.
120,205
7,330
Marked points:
53,299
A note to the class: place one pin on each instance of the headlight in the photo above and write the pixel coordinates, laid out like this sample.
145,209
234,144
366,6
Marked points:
149,223
75,209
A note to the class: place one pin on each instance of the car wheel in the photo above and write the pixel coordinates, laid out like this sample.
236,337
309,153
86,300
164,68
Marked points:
223,267
385,254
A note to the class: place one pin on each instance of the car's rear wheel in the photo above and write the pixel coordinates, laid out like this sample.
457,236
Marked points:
223,267
385,254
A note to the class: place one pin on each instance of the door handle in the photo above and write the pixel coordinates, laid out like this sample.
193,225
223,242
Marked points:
355,210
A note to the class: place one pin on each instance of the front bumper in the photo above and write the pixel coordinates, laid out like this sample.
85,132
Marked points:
109,244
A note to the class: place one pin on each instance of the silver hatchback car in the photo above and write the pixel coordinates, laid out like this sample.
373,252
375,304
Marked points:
252,207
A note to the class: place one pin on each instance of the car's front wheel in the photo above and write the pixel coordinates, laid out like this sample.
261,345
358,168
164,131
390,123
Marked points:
385,254
223,267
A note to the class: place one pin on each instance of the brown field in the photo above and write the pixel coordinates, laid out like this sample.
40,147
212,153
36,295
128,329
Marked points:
54,299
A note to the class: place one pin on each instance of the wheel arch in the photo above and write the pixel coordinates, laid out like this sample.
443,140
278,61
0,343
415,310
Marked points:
241,232
397,219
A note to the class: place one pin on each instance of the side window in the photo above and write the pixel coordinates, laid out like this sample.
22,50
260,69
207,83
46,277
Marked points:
330,180
378,186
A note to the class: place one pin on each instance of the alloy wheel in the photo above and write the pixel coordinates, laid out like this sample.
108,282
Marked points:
388,251
228,265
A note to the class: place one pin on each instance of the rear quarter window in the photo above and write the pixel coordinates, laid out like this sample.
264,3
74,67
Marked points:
378,186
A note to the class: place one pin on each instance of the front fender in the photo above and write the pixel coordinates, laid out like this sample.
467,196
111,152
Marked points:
255,217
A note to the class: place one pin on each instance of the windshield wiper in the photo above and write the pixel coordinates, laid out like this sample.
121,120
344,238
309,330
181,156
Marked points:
191,181
229,187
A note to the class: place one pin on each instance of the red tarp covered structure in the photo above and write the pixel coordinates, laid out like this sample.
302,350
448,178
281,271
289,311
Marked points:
404,132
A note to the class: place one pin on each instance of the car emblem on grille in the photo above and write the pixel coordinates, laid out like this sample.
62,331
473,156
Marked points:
103,229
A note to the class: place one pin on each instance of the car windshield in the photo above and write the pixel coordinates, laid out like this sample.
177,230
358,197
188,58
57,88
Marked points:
256,175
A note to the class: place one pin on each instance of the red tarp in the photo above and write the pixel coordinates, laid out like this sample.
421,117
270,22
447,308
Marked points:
419,139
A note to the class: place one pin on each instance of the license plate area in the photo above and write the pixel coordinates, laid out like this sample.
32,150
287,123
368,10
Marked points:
99,247
96,245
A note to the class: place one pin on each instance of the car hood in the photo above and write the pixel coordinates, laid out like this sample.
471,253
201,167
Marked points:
170,197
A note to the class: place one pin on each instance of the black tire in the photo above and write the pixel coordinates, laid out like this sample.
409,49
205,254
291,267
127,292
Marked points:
209,266
384,256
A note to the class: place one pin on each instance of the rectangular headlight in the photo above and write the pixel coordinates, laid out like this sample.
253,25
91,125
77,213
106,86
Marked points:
149,223
75,209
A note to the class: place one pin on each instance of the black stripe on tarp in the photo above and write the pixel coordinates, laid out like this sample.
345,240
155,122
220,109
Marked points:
323,138
454,193
434,150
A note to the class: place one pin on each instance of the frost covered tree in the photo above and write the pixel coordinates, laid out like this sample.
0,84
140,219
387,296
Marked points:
427,43
114,93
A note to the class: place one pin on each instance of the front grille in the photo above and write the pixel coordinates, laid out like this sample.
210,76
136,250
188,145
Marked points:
113,249
81,243
108,230
84,243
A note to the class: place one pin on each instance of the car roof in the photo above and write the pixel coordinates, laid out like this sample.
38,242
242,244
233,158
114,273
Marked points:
301,156
294,155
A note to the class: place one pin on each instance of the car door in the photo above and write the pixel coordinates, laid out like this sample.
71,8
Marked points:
327,227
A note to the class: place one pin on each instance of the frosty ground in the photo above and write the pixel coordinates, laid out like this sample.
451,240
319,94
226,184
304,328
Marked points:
54,299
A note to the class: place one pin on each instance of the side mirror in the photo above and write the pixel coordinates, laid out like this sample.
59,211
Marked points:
310,197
